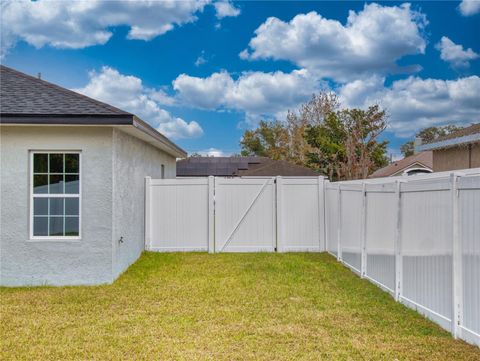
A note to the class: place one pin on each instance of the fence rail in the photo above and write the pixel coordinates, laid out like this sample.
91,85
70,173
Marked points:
418,238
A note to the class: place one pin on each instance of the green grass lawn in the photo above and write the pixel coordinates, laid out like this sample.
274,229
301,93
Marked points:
222,307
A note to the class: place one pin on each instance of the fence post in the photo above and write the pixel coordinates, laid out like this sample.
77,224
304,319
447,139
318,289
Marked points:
457,302
397,242
363,260
321,214
339,225
326,213
211,214
279,214
148,213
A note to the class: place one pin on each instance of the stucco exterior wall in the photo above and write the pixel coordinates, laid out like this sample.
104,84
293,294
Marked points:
56,262
133,160
461,157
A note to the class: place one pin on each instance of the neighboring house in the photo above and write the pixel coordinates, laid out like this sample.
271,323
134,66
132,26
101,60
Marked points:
240,167
414,164
458,150
72,175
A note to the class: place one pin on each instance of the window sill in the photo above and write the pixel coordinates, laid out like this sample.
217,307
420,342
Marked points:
54,240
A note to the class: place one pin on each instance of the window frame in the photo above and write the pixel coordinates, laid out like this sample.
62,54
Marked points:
32,196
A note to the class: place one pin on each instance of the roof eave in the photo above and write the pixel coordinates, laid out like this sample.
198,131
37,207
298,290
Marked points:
159,139
168,145
65,119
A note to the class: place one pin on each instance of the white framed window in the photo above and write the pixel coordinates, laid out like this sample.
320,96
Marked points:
55,195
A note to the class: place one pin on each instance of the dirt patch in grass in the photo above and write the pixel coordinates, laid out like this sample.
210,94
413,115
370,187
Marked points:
222,307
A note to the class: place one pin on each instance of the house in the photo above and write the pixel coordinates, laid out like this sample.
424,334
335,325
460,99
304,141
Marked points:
72,172
414,164
240,167
457,150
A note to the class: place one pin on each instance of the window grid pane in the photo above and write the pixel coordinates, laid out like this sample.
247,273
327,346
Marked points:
56,198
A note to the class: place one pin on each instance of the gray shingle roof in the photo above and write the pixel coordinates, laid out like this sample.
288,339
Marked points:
22,94
27,100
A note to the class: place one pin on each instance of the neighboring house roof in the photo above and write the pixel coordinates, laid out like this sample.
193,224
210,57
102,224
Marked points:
239,166
462,136
25,99
423,159
278,167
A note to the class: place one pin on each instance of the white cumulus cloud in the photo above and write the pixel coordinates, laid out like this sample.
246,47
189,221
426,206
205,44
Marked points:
415,103
78,24
127,92
257,94
213,152
225,9
371,41
469,7
455,54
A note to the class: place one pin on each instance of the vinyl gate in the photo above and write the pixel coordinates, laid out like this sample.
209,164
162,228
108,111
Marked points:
218,214
245,215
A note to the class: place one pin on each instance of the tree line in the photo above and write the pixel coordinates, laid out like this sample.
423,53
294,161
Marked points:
341,143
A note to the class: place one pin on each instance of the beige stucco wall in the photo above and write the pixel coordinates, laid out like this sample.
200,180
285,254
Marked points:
456,158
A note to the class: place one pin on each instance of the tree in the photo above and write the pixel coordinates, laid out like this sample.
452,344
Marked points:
340,143
310,113
346,144
408,148
427,135
327,142
270,140
431,133
286,140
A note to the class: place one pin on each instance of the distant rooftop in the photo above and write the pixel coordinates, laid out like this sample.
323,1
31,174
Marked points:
239,166
462,136
424,159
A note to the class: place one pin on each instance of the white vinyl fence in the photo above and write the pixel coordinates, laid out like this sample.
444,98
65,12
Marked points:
416,237
179,214
217,214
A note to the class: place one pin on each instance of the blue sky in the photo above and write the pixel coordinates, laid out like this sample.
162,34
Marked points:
204,72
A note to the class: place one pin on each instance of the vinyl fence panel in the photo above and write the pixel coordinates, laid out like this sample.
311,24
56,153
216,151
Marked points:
426,247
301,214
352,226
469,213
331,218
380,235
179,215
